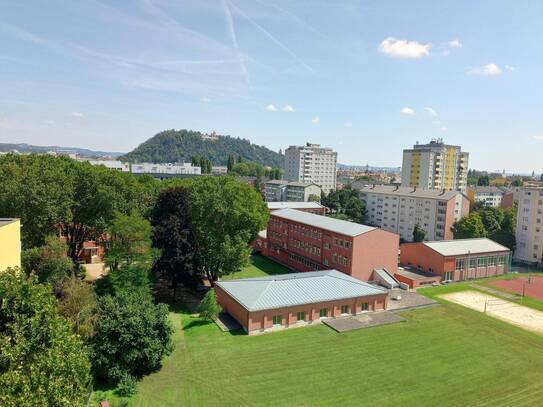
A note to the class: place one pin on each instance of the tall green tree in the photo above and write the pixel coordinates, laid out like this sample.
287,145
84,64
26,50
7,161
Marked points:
173,235
131,337
226,216
129,240
48,262
469,227
483,180
209,308
231,162
42,363
418,233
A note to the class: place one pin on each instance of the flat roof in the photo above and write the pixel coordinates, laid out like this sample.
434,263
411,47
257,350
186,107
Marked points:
294,205
465,246
324,222
7,221
410,191
414,274
287,290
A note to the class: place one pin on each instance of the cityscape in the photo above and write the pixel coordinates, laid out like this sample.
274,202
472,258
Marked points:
270,203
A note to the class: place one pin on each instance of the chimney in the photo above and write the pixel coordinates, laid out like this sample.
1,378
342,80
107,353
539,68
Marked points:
397,187
414,189
443,191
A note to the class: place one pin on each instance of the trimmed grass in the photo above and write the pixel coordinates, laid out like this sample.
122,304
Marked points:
445,355
260,266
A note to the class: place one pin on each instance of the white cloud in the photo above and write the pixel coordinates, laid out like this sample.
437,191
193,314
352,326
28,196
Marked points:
289,109
77,114
455,43
431,111
404,48
443,128
204,99
407,111
486,70
538,138
316,120
270,108
347,124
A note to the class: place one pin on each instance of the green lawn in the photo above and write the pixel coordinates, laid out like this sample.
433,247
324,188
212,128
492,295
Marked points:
260,266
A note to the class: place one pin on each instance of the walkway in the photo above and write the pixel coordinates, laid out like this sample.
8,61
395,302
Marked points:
351,322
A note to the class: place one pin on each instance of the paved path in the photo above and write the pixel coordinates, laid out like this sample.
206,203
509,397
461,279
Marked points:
512,297
349,323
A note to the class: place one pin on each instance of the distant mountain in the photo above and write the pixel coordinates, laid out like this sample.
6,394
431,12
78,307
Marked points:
369,167
28,148
172,146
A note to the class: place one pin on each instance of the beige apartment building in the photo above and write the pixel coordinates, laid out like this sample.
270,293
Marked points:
282,190
529,233
399,209
311,164
435,166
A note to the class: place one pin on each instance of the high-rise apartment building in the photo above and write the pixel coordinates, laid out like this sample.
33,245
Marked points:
435,166
529,234
311,163
399,209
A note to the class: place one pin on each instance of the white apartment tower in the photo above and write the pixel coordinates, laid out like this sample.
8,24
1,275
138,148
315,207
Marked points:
435,166
311,164
529,233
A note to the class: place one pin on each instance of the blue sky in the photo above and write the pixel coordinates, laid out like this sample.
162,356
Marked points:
366,78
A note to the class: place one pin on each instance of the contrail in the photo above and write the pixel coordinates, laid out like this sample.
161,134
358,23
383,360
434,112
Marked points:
230,22
272,38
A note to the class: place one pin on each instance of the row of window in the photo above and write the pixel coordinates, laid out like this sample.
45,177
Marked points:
323,313
305,246
482,261
342,243
306,262
306,231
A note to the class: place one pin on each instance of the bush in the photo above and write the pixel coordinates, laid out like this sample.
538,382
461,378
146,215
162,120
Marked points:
126,386
132,334
209,308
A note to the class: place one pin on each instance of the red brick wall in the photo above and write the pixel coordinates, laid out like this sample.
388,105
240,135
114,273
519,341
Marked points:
424,258
231,306
374,250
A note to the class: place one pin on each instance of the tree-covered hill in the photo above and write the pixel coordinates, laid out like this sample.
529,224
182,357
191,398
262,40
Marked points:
171,146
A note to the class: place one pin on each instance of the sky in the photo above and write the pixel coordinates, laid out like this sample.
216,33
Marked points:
367,78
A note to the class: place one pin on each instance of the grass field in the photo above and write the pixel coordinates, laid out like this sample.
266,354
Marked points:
260,267
446,355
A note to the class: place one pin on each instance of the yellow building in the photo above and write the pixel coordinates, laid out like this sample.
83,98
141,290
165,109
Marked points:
10,243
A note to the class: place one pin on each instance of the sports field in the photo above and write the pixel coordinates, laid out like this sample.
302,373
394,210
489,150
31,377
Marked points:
530,286
447,355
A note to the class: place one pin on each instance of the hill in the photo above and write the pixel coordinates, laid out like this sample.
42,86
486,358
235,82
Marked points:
172,146
29,148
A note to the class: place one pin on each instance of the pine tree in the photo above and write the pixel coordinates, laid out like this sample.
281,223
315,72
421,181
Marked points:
209,308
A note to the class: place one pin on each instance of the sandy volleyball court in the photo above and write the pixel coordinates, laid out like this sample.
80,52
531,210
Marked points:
524,317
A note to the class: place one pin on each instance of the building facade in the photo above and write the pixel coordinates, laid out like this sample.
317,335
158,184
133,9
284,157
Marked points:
304,241
292,191
312,207
399,209
293,300
457,260
311,164
488,195
435,166
529,232
10,243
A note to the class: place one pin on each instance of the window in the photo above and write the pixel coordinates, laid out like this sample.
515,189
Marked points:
277,319
460,263
492,261
323,313
481,262
472,263
344,309
364,306
301,316
501,260
447,276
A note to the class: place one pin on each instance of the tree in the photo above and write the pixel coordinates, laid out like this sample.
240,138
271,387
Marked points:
231,162
469,227
41,362
209,308
132,335
128,278
345,201
226,216
517,182
129,240
418,233
314,198
48,262
173,235
483,180
77,303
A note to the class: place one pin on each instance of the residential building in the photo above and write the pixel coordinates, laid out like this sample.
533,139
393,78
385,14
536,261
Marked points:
111,164
456,260
435,166
399,209
169,169
511,197
311,164
292,300
10,243
282,190
304,241
529,233
219,170
311,206
488,195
